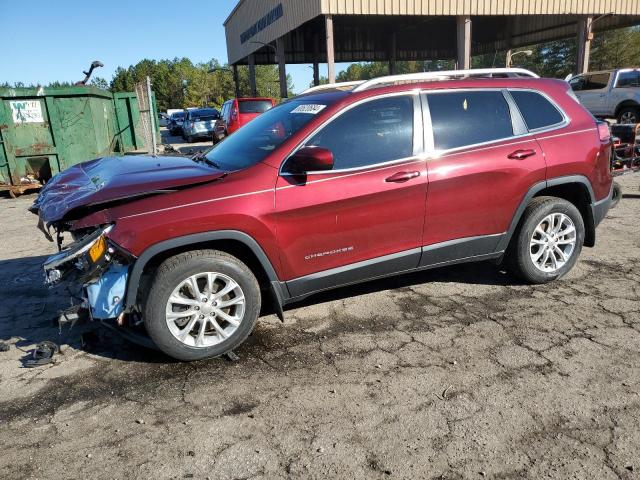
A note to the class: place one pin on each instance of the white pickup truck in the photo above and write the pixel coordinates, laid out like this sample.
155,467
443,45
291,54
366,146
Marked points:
610,93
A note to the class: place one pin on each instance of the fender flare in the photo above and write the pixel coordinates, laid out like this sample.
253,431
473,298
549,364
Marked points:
626,103
133,282
538,187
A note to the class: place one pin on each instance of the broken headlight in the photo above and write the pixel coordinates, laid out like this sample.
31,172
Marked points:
86,255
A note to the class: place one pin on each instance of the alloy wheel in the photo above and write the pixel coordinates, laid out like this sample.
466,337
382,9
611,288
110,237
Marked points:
553,242
205,309
628,117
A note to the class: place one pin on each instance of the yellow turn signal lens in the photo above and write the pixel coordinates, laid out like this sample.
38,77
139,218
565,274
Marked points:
98,249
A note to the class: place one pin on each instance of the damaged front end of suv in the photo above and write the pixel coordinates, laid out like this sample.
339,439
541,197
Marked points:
76,211
99,267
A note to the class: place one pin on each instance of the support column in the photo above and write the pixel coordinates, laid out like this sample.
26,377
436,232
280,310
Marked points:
508,42
316,59
252,75
282,67
463,23
392,54
236,80
584,44
331,60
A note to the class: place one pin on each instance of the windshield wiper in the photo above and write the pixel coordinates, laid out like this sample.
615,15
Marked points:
201,157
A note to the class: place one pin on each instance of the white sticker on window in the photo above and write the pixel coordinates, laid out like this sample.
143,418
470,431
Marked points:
309,108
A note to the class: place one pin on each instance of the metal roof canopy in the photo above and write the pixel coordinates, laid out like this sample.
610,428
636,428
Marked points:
423,29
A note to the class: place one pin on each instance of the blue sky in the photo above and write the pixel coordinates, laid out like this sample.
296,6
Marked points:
48,40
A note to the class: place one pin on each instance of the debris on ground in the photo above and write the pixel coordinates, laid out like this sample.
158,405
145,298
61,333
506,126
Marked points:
4,347
231,356
42,355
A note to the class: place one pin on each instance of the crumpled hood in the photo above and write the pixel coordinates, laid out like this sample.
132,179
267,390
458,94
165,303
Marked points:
115,178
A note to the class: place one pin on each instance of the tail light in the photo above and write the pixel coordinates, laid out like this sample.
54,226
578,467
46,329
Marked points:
234,114
604,132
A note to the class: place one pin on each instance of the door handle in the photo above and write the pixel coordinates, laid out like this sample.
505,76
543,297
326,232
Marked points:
402,177
521,154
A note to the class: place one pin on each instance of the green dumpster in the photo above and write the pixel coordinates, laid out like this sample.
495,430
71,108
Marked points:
45,130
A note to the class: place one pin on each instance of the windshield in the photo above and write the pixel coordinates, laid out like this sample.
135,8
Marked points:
253,142
177,115
254,106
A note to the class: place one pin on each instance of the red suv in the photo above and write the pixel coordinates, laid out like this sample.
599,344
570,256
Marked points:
237,112
328,189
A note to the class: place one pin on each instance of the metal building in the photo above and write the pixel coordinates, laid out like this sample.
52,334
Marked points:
329,31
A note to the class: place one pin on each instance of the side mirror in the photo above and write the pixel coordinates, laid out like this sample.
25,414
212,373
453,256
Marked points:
310,159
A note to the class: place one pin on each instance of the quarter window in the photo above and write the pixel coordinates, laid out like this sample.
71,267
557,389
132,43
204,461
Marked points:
537,111
375,132
467,118
628,79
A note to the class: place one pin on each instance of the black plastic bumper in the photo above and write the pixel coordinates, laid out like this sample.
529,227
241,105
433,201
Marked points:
601,207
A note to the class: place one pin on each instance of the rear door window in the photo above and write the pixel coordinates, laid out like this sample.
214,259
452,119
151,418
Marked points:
467,118
374,132
537,111
254,106
596,81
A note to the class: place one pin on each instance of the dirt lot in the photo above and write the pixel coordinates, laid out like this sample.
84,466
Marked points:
453,373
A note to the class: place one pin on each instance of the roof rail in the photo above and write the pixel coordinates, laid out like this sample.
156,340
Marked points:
443,75
328,86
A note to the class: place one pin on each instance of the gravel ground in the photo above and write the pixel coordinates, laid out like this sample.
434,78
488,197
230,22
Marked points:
454,373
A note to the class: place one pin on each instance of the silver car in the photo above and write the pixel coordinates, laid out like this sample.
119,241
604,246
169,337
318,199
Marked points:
199,123
610,93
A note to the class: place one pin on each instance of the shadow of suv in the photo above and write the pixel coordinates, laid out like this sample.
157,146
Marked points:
334,187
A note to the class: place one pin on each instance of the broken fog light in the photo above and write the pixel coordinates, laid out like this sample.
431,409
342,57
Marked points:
52,276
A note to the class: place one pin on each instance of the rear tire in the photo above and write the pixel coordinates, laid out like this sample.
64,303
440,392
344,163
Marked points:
190,322
629,115
548,241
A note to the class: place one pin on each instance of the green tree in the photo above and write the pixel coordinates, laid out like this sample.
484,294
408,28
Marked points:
615,49
100,82
179,83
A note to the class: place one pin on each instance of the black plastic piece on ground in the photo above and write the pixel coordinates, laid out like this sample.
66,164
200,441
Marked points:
42,355
231,356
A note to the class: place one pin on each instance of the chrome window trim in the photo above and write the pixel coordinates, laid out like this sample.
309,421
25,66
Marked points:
358,171
435,154
418,146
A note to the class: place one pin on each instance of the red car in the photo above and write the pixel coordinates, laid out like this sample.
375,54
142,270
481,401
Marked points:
237,112
329,189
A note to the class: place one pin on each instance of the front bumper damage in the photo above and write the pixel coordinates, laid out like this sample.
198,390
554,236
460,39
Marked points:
99,267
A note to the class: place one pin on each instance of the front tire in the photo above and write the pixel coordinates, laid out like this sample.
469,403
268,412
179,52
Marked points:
629,115
548,241
201,304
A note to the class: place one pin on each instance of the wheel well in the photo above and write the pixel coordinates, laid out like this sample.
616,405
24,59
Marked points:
626,103
233,247
578,195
